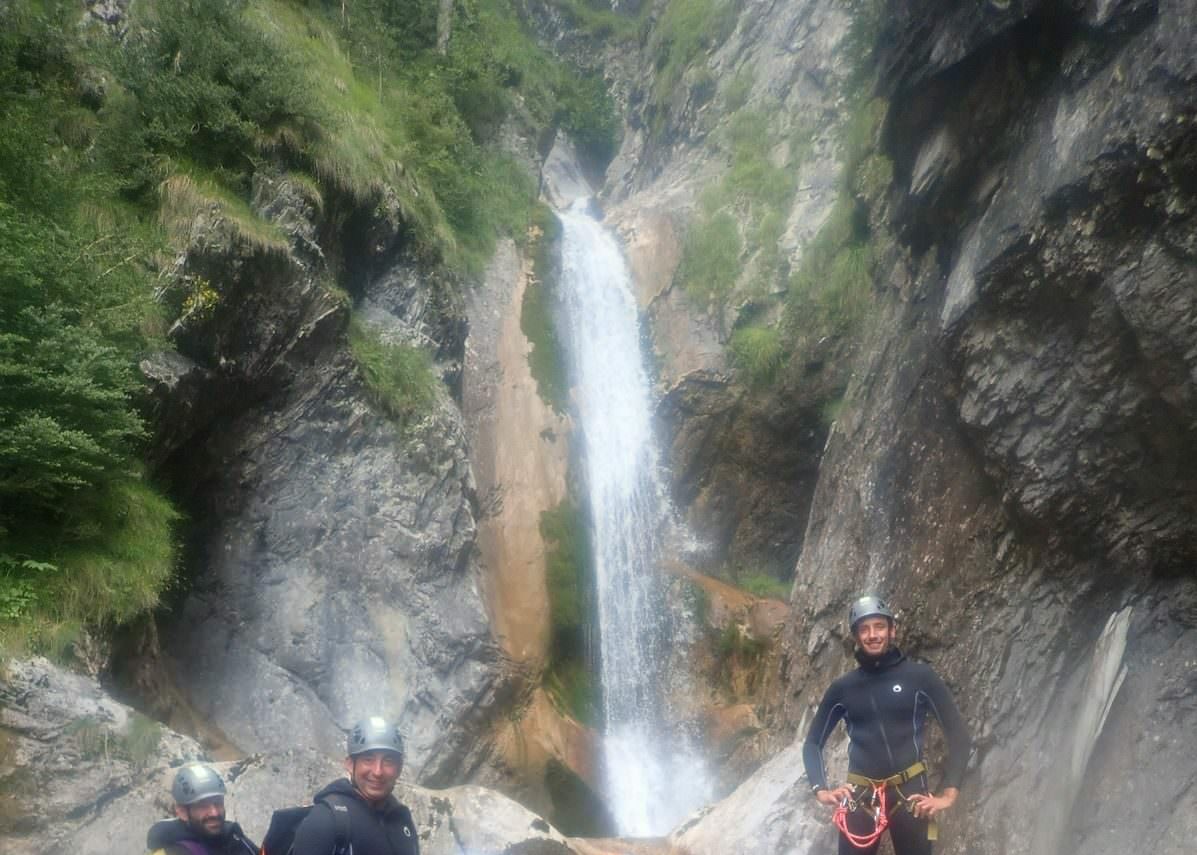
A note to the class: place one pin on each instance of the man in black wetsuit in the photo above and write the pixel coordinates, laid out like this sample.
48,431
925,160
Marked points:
884,705
199,826
378,824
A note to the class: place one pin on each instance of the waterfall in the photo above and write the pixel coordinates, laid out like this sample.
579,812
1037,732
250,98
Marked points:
653,780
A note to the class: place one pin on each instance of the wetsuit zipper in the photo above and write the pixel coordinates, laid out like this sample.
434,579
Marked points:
881,727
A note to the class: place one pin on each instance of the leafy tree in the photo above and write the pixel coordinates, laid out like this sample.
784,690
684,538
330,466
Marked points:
82,537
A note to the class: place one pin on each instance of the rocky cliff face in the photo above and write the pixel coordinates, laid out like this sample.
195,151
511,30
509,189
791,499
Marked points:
334,553
1009,466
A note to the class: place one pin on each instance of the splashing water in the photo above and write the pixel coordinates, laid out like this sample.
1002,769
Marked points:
653,778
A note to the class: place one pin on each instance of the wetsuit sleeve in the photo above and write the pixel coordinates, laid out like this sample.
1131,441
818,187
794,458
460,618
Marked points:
830,711
954,728
317,834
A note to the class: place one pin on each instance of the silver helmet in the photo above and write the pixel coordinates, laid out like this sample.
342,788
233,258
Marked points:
867,606
374,734
196,782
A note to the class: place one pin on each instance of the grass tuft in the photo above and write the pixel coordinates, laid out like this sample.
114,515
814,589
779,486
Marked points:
399,377
757,353
182,198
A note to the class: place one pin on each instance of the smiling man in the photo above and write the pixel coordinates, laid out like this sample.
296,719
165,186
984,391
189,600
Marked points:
884,704
199,826
375,822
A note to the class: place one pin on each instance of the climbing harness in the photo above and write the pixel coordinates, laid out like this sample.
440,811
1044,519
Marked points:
880,819
877,805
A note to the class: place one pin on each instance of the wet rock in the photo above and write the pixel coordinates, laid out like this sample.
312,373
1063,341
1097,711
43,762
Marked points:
770,812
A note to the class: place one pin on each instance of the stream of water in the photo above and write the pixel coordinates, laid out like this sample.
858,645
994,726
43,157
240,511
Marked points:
653,778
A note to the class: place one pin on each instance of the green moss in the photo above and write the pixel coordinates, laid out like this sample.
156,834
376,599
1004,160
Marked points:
830,411
399,377
733,645
577,810
569,576
538,319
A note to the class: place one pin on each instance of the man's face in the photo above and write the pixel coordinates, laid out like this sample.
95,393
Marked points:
374,773
875,635
205,817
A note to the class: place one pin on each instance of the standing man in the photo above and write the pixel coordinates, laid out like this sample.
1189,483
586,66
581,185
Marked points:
199,826
377,823
884,705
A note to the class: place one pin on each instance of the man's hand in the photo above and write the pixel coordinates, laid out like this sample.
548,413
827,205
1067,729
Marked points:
928,806
831,798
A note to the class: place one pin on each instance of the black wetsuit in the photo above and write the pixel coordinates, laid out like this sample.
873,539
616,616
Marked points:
884,705
175,837
387,829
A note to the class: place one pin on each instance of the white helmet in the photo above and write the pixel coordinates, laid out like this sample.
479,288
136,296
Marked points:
374,734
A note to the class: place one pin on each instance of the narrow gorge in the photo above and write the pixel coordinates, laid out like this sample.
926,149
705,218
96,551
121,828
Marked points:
856,297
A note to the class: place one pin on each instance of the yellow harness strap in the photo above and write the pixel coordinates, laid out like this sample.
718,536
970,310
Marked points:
893,780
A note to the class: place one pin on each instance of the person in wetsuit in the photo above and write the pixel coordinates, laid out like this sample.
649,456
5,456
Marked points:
199,826
378,823
884,705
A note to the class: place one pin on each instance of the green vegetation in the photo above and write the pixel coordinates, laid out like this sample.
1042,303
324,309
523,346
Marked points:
597,18
735,234
569,575
698,600
137,742
686,29
764,585
538,319
734,646
711,256
400,377
108,152
831,290
736,94
742,217
757,353
83,537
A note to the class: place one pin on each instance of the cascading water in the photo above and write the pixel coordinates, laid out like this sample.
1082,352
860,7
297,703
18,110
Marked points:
653,779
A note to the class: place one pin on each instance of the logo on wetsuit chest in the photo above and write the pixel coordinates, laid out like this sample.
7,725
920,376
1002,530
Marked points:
897,687
407,831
